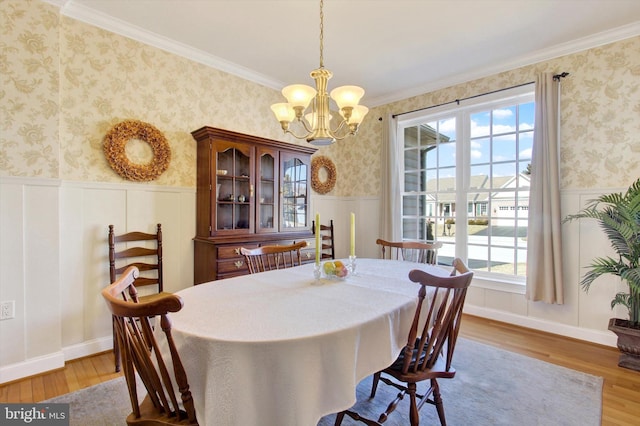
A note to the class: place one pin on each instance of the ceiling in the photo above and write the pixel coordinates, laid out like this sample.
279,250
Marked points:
394,49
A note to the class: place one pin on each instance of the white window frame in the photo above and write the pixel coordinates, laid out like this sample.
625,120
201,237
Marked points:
522,94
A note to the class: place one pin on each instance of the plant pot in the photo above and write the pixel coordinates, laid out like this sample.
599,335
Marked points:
628,343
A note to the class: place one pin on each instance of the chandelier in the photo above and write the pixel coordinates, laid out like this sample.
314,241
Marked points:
316,123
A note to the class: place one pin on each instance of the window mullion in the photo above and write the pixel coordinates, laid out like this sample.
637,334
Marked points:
462,177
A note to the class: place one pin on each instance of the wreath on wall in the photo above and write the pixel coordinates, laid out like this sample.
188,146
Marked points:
114,149
318,163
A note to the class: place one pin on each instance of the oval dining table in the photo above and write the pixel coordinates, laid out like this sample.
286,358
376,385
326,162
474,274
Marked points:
281,348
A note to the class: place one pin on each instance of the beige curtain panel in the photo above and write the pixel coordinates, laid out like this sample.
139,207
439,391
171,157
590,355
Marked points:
544,250
390,217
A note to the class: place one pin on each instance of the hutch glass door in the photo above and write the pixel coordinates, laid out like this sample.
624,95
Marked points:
266,197
295,193
234,190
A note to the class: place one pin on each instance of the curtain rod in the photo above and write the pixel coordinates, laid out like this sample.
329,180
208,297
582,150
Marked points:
556,77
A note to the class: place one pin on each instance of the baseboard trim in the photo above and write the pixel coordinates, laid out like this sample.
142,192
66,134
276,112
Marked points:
594,336
87,348
53,361
31,367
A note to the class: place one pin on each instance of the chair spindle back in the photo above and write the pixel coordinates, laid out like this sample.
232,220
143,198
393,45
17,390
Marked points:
140,353
410,251
267,258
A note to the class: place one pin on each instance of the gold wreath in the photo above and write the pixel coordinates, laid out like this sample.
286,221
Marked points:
322,162
114,149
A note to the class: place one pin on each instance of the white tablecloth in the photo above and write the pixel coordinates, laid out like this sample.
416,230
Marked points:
279,348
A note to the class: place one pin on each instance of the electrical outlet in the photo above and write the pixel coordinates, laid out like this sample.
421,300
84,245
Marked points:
7,309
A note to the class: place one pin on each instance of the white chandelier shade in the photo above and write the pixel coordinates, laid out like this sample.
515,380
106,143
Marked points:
347,96
299,95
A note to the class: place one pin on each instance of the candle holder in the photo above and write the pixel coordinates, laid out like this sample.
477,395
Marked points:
316,271
352,265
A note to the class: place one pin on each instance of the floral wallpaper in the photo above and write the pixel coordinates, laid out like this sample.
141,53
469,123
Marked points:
29,81
104,79
600,120
66,83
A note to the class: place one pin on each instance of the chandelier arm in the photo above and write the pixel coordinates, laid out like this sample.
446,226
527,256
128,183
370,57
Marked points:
339,138
306,126
337,130
334,133
297,136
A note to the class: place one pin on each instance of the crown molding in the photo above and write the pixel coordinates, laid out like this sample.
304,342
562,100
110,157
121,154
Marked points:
575,46
90,16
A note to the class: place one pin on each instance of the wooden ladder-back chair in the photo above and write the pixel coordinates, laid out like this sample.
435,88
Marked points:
144,251
326,239
411,251
430,344
141,354
267,258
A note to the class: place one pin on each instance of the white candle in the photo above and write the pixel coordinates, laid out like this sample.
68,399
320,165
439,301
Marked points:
353,235
318,246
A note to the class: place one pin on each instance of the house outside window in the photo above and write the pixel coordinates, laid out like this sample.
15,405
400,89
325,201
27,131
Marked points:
477,155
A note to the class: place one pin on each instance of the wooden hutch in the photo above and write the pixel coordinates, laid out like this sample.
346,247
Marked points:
251,192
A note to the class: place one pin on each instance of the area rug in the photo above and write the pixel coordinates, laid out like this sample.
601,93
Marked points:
491,387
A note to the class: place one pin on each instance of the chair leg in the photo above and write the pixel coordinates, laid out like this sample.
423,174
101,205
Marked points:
437,399
116,347
374,385
339,418
414,417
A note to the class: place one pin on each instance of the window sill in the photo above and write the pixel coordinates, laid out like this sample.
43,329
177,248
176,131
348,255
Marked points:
505,284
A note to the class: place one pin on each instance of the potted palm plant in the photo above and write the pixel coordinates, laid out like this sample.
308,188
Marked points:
618,215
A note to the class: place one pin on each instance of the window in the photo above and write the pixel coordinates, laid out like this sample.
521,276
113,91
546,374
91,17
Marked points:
478,156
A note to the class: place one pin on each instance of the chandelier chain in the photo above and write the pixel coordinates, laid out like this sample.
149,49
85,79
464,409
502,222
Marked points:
321,35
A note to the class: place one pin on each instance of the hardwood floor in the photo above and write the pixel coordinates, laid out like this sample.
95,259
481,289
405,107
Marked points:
77,374
620,396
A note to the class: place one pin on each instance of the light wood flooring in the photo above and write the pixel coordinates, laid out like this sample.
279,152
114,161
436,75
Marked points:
620,396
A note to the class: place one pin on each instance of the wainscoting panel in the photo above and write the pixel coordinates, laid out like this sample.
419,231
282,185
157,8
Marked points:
30,276
41,236
128,207
11,269
54,262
